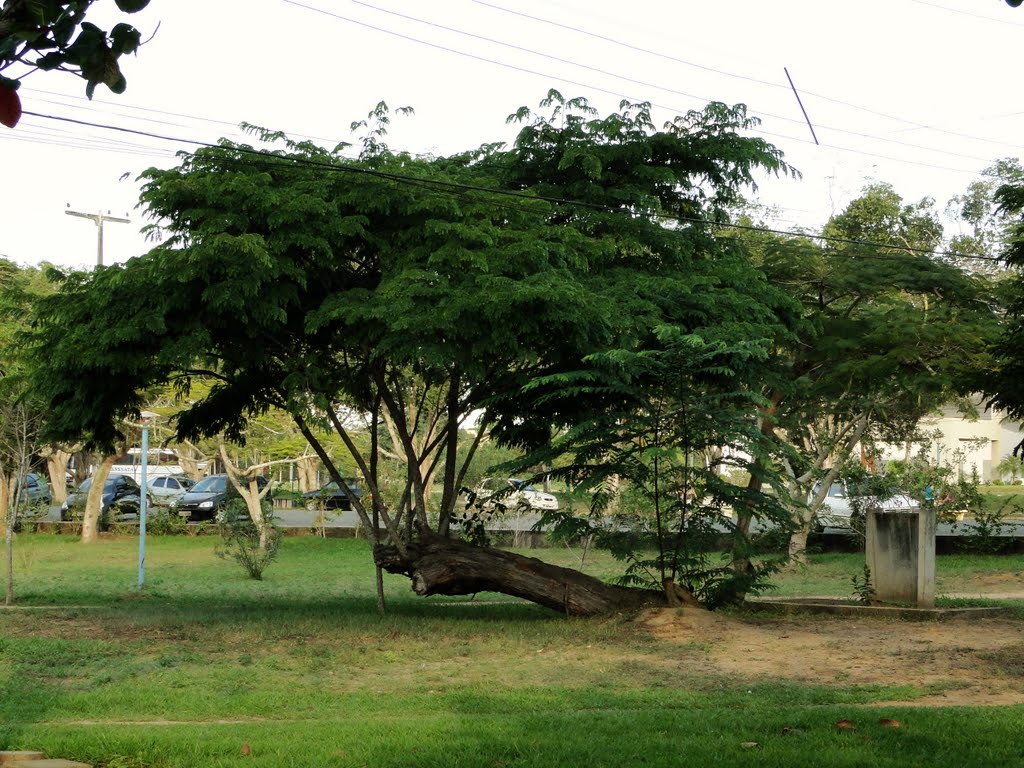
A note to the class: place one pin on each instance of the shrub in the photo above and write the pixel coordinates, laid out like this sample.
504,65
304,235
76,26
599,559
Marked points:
240,537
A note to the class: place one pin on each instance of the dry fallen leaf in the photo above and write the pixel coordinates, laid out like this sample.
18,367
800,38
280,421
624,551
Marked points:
886,722
246,750
846,725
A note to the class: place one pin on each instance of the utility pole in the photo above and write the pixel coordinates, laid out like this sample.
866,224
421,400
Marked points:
99,217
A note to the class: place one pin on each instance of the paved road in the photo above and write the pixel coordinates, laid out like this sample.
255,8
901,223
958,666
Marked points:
303,518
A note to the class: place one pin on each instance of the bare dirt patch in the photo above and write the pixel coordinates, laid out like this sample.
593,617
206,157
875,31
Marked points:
957,662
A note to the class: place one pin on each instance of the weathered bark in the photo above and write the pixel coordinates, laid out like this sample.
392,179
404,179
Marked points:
56,469
189,459
798,544
679,596
5,500
439,566
94,501
803,516
250,493
305,469
10,511
83,462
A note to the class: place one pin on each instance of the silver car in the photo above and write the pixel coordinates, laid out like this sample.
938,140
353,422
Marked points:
167,489
512,494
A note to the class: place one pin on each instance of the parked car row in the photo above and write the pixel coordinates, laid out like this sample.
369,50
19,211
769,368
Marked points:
120,502
207,497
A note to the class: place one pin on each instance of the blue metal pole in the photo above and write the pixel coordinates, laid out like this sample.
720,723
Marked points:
142,505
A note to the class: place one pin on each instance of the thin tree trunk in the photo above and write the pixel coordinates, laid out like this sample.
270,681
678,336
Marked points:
798,544
57,468
306,471
804,516
94,501
251,495
382,607
10,512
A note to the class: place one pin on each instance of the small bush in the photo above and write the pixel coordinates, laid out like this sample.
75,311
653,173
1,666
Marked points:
165,523
863,588
240,537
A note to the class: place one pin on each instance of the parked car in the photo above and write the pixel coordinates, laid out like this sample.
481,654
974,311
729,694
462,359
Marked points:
35,491
492,495
165,490
837,512
121,500
208,496
332,496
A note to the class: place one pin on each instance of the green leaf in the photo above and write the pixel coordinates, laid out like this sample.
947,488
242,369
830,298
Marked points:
63,30
131,6
8,48
117,84
125,39
51,60
44,12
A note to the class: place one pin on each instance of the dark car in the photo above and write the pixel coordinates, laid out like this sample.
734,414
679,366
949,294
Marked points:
121,500
34,492
207,497
332,496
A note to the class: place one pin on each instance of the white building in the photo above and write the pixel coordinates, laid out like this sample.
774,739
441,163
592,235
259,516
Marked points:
961,443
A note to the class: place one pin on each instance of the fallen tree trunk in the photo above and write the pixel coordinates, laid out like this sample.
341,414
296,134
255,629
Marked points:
440,566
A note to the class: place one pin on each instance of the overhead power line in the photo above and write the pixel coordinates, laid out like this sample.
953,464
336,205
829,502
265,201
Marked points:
619,94
748,78
460,187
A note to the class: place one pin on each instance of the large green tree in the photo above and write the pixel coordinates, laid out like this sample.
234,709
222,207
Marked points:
1004,381
21,415
889,332
415,291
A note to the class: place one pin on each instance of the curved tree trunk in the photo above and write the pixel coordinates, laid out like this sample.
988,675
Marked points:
439,566
94,501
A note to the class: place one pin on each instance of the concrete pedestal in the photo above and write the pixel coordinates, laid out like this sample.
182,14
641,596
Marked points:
901,555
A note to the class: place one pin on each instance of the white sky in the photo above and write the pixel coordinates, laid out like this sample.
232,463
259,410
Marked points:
923,94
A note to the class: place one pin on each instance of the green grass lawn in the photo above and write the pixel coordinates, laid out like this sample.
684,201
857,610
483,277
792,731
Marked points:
1008,498
302,670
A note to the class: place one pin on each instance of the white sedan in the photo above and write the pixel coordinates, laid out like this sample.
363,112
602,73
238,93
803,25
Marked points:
513,494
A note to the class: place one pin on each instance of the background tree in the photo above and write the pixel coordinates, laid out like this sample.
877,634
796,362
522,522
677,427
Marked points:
1012,466
685,417
988,225
889,333
21,416
1003,381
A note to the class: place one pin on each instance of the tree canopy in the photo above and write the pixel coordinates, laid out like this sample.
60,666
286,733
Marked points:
416,290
